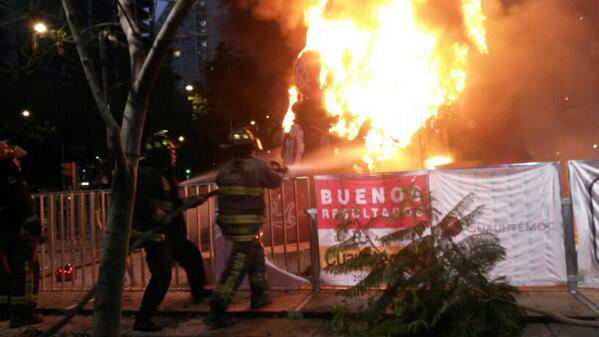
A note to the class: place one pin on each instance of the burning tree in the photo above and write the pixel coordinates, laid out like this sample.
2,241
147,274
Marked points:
433,286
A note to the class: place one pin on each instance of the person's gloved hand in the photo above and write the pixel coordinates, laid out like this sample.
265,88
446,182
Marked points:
194,201
278,167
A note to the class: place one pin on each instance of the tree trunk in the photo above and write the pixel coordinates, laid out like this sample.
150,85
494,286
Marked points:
107,307
125,143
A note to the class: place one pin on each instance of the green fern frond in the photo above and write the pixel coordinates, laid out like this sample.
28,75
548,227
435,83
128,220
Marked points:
400,235
374,279
463,206
482,250
359,263
471,218
340,248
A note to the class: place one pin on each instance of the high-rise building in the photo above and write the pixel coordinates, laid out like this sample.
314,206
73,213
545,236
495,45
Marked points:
197,39
144,11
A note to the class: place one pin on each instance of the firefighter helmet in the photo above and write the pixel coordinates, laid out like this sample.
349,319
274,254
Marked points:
243,137
10,152
9,157
159,149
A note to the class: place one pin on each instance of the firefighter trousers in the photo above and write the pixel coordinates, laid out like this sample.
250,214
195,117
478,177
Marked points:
19,275
246,258
160,257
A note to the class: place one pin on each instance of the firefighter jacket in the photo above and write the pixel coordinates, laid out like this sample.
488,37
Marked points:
16,207
241,183
157,195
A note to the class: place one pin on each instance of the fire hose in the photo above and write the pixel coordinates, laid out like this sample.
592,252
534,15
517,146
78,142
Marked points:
136,244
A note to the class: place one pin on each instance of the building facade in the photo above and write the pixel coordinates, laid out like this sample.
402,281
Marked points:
197,39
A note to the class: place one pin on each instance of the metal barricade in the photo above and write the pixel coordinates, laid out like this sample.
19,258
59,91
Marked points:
74,222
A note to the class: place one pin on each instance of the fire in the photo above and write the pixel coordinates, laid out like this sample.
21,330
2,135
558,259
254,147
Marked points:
433,162
290,116
385,68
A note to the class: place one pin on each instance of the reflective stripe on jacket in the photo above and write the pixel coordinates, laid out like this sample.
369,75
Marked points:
241,183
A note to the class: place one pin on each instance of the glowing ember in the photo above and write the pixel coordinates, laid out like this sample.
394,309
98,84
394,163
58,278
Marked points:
433,162
290,116
383,67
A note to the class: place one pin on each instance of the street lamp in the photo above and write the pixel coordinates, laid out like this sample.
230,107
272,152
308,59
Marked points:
25,113
40,27
253,122
181,139
41,31
189,87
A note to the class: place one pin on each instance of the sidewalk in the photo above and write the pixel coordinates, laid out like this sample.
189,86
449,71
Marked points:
296,303
292,313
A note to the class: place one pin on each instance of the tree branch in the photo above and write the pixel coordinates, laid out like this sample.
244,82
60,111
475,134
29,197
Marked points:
89,71
134,38
143,72
127,13
161,44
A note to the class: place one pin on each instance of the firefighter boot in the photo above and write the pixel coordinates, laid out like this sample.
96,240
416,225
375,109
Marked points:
201,295
260,300
217,320
144,323
22,315
217,317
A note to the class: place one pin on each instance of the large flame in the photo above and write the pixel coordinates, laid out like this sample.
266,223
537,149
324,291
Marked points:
290,116
388,68
434,162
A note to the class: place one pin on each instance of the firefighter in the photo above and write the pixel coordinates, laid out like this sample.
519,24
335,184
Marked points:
19,232
241,182
157,195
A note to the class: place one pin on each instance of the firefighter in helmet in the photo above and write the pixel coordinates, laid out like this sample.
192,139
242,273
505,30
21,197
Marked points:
157,196
241,182
19,232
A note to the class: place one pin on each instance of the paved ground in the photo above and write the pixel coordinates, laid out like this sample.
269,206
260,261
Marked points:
191,325
293,301
293,314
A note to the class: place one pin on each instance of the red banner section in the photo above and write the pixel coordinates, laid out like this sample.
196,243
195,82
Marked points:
370,197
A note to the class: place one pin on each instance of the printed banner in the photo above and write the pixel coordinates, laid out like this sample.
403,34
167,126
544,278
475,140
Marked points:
368,199
522,207
582,174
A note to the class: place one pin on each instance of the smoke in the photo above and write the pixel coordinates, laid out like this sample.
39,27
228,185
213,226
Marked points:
289,14
532,97
267,25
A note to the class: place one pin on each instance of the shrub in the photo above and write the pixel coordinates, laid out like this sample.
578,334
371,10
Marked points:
433,286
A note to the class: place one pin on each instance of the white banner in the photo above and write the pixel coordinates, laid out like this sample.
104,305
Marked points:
522,207
582,173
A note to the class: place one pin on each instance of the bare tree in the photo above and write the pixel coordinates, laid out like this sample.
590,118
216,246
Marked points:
125,141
